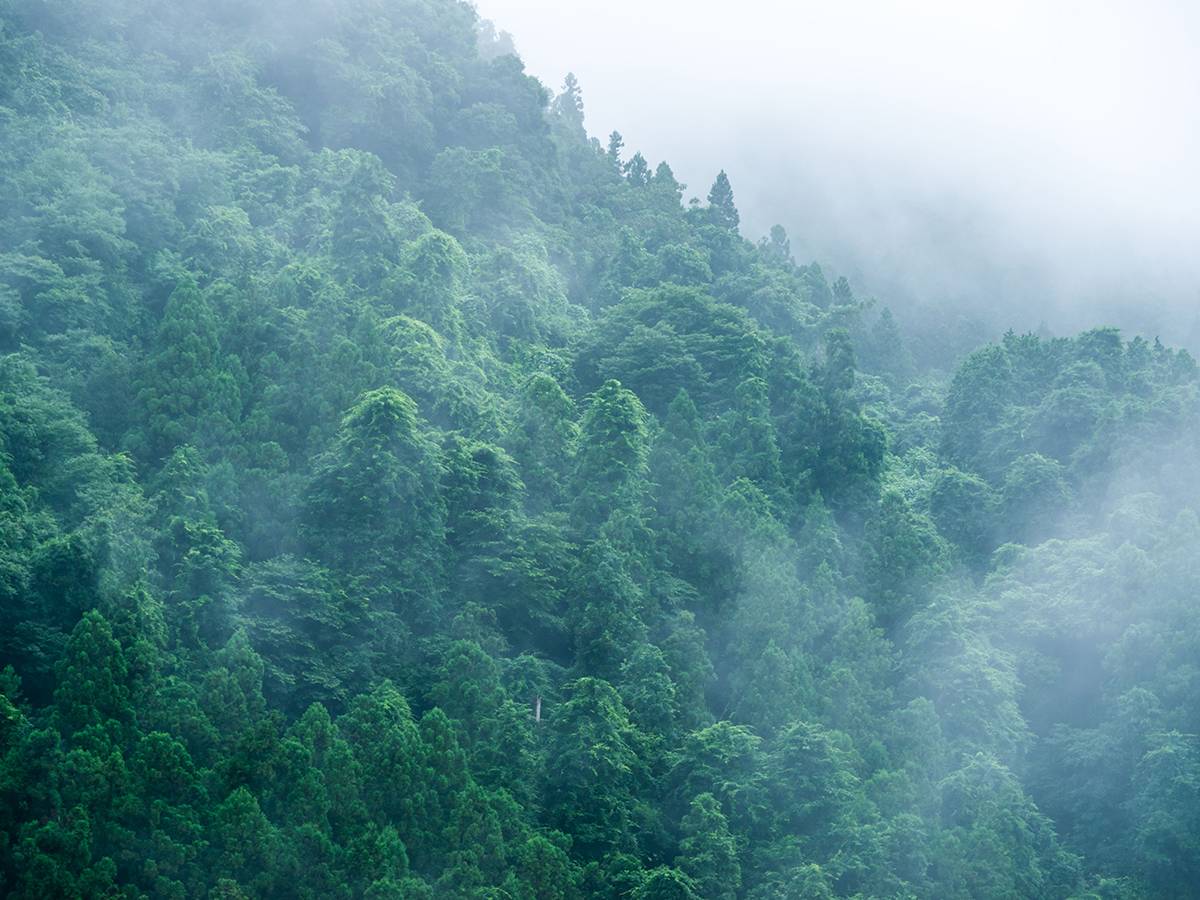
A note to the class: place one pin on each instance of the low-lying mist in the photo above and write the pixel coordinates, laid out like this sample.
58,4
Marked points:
1031,164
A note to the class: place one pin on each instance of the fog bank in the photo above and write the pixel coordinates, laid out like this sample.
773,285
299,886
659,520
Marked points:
1033,161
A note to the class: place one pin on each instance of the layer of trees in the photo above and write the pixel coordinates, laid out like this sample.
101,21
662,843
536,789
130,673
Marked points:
354,404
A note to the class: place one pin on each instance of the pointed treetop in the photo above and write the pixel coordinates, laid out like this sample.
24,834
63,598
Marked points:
720,203
637,170
616,144
569,103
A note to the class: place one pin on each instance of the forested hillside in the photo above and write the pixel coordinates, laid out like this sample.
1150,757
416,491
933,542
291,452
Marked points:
405,496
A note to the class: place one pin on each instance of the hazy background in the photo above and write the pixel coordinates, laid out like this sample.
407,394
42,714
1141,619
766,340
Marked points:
1028,161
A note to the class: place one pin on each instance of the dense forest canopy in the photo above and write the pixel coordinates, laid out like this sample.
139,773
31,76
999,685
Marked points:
405,495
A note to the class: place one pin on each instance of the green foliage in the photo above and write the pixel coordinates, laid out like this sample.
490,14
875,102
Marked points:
190,392
963,507
373,508
610,466
709,853
403,495
721,210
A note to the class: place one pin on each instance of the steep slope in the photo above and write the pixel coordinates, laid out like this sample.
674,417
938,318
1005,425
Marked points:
404,495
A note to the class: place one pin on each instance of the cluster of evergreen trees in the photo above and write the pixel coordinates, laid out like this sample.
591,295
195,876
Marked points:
403,495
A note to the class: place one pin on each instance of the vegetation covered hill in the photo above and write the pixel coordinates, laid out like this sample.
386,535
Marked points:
402,496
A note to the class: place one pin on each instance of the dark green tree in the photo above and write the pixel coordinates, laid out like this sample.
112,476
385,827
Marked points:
708,852
374,508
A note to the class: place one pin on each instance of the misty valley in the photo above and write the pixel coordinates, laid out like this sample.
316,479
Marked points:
406,494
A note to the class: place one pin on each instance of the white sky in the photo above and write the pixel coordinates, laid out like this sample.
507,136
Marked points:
913,144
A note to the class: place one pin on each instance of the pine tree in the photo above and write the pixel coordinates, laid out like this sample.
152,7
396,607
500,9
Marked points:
190,390
543,440
616,144
610,467
597,773
708,853
568,106
721,210
92,675
637,171
374,505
